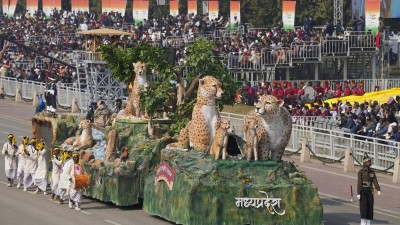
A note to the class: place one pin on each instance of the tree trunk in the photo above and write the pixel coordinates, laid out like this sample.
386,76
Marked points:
191,88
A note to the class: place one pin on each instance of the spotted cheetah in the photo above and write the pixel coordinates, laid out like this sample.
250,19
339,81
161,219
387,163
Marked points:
140,83
199,132
84,140
274,127
251,137
180,94
220,142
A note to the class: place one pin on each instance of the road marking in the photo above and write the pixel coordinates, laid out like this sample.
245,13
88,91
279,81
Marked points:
112,222
85,212
345,201
343,175
3,182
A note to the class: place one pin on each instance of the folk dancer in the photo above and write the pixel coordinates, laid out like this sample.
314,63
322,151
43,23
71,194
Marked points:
75,194
30,164
63,183
55,174
41,169
366,179
22,155
10,159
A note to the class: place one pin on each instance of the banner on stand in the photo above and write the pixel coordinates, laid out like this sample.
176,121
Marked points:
118,6
140,10
372,14
235,15
288,14
80,5
205,7
50,5
9,7
32,6
213,10
192,7
174,7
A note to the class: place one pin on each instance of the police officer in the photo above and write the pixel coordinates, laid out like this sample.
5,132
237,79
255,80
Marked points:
366,180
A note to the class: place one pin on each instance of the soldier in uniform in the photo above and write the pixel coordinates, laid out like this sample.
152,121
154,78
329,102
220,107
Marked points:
338,90
347,90
360,89
327,89
354,89
365,182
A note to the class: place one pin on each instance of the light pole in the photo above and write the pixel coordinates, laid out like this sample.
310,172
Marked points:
160,3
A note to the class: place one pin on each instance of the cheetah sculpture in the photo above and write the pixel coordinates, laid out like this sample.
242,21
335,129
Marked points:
82,141
199,132
220,142
274,127
140,83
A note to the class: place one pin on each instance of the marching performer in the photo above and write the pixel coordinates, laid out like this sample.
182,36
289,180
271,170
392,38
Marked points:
75,195
10,159
22,155
55,175
41,170
30,164
366,179
63,183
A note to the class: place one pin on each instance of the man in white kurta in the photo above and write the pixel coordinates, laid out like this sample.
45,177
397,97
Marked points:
10,159
75,195
55,173
22,155
30,164
64,184
41,169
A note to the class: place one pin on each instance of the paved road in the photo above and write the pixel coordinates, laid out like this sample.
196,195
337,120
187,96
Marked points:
18,207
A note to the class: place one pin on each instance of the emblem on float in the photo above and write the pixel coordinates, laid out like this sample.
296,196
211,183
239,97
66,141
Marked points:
272,204
166,173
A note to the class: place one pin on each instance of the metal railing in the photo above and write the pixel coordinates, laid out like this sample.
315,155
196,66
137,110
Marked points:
65,94
179,41
334,47
244,60
305,52
331,143
361,42
276,57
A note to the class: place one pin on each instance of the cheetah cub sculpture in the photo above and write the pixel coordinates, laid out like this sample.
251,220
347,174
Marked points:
220,142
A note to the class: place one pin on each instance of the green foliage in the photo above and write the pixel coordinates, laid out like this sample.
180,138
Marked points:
120,60
200,61
154,97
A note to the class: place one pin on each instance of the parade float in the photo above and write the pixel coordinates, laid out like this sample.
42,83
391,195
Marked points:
186,163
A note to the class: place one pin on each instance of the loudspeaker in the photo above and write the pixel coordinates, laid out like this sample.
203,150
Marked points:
171,51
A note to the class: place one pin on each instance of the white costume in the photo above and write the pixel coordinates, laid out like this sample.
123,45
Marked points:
10,161
30,167
55,174
21,163
64,184
75,195
41,171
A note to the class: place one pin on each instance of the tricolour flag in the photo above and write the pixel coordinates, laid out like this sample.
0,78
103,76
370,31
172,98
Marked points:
288,14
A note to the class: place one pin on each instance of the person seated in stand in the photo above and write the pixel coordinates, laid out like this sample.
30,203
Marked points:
383,129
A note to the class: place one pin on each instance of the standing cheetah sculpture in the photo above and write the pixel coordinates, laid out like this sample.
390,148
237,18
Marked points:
274,127
140,83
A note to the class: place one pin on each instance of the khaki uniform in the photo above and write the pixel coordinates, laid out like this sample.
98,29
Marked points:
367,178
